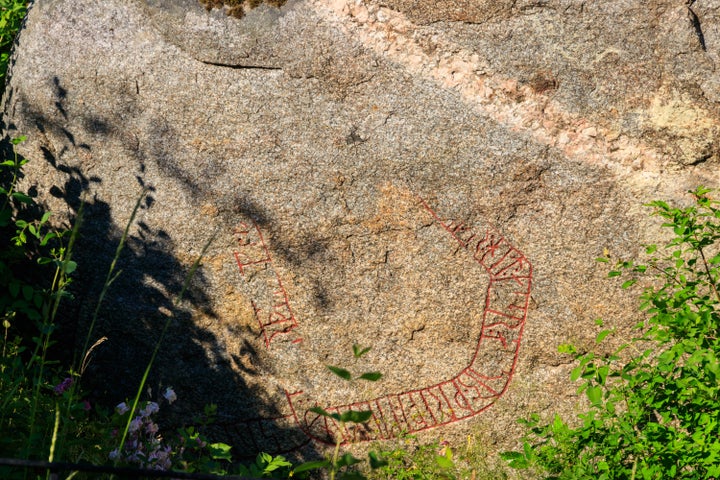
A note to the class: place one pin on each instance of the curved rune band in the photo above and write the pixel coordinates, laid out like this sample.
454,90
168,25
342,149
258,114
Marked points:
475,388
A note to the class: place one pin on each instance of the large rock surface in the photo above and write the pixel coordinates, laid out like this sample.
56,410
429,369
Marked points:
433,179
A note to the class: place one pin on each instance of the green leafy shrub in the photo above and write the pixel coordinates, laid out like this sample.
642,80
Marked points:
406,459
35,265
655,402
12,13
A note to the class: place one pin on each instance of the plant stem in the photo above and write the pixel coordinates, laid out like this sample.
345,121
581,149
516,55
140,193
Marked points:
110,278
143,380
56,427
333,469
711,280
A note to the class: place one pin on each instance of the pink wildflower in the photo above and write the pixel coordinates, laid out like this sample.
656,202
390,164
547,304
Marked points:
135,424
151,428
149,409
161,456
63,386
443,448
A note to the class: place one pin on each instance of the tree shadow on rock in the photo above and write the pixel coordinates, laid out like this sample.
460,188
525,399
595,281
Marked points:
141,299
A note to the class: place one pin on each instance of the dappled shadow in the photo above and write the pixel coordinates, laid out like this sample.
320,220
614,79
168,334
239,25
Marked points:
142,298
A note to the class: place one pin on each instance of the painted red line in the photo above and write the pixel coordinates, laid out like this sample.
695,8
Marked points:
447,401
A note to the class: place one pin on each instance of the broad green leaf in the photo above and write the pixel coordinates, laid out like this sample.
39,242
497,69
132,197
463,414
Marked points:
22,197
602,373
347,460
515,460
304,467
48,236
444,462
351,416
69,267
594,394
601,336
277,462
325,413
371,376
376,461
340,372
28,292
14,288
220,451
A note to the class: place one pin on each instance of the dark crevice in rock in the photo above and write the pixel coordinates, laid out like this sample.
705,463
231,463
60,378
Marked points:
701,160
695,20
239,67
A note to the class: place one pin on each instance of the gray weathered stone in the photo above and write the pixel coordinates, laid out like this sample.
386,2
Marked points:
331,149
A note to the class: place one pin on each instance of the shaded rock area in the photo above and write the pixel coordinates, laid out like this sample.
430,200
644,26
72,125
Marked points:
431,179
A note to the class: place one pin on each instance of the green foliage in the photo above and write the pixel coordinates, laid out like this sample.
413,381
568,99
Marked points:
655,401
343,464
12,13
421,463
359,351
267,466
409,461
43,415
28,304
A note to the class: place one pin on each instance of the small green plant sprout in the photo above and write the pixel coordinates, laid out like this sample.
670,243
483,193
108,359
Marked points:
654,403
267,466
410,462
342,463
359,351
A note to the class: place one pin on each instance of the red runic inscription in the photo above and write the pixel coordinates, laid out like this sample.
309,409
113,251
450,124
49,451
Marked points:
272,310
471,391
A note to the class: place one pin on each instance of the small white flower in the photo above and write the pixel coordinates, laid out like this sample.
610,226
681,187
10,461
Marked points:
170,395
121,408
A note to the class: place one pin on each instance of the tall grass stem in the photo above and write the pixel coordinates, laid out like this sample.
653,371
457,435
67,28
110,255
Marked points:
143,381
